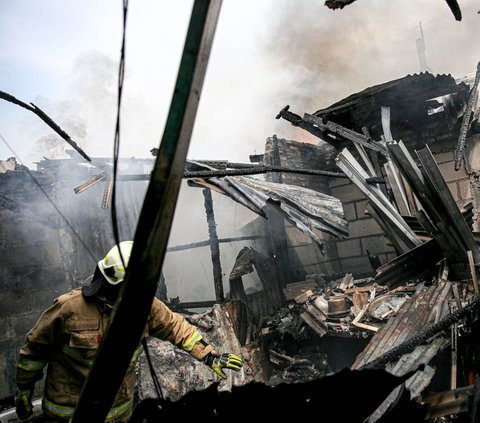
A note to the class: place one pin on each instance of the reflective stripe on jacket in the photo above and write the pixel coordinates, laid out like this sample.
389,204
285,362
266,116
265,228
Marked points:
65,412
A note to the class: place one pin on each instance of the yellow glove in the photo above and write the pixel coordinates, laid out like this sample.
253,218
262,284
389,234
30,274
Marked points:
223,361
23,403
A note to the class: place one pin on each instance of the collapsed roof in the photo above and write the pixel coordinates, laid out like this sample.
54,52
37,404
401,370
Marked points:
306,208
415,308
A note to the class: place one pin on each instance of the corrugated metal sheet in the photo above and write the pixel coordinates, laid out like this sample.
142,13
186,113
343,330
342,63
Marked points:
418,313
307,209
421,354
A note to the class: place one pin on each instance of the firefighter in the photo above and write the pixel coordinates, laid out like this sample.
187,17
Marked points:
67,335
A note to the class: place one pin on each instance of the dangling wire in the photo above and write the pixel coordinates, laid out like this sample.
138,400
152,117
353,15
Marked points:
50,201
116,148
156,382
116,143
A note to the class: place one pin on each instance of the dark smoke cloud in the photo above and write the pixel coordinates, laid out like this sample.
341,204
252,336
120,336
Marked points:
330,54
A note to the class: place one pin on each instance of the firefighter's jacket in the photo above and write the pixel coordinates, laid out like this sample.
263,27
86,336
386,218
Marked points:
66,337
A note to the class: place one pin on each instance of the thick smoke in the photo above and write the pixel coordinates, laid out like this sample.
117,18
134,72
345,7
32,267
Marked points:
87,113
319,56
301,53
265,56
88,116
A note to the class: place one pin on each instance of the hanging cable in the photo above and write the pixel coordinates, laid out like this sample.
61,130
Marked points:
116,143
116,149
156,382
50,200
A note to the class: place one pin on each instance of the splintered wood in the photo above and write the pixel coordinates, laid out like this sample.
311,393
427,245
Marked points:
293,290
347,282
302,298
316,319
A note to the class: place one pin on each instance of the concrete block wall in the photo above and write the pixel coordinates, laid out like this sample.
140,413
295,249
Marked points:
350,255
339,256
364,232
458,181
294,154
305,257
472,165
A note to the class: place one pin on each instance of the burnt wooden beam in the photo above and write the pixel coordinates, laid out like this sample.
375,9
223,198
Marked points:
346,133
455,8
276,176
214,246
238,308
256,158
259,170
340,4
238,171
207,243
473,272
276,227
49,121
297,120
107,193
91,182
337,4
196,304
273,283
466,121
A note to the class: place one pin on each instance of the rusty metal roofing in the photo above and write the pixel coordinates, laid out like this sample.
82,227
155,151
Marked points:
417,313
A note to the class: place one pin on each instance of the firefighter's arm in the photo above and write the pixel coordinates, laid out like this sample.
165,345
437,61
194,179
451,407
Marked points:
29,369
166,324
33,357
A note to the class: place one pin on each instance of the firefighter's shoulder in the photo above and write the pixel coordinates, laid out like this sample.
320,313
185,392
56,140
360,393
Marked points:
73,295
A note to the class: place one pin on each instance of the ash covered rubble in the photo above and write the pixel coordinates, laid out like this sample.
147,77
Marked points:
415,313
301,339
421,306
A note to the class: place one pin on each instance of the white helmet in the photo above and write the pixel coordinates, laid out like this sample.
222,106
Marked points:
111,265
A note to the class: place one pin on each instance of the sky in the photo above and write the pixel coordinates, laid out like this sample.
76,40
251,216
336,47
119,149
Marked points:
63,57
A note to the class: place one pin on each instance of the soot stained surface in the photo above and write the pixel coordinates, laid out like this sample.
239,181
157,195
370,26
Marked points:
344,396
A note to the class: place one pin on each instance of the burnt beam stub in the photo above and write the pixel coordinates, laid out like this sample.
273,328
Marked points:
214,246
